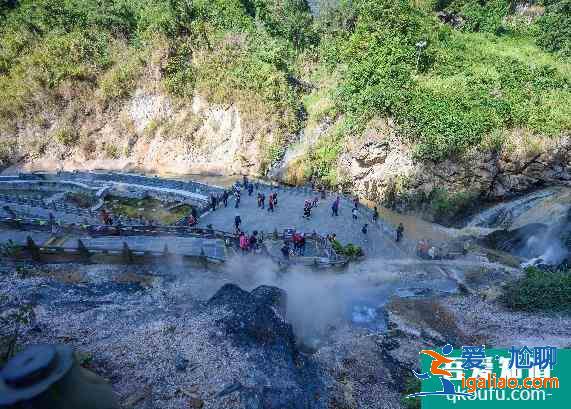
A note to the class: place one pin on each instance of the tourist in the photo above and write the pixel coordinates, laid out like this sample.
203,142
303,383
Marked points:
315,202
422,249
356,203
295,238
54,228
301,244
213,202
237,196
364,230
245,181
253,244
399,232
225,198
259,199
355,213
105,217
237,221
285,250
375,214
307,209
250,189
271,203
432,253
275,199
335,209
243,242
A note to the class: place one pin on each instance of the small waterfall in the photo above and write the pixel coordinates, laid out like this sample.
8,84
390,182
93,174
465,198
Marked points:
504,214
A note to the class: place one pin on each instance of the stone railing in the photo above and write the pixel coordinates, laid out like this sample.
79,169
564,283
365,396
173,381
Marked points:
131,178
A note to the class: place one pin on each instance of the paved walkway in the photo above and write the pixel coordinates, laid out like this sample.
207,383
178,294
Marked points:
379,241
288,214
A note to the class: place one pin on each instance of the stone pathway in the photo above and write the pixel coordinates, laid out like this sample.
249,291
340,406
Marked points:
288,214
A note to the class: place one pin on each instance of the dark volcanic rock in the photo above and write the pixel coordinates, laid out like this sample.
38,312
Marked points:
272,296
254,317
278,376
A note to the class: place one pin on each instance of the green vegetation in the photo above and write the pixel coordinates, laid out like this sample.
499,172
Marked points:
149,209
462,86
350,250
229,50
444,207
540,290
449,89
555,27
411,385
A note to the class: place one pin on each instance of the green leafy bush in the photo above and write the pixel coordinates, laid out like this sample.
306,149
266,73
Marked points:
479,15
540,290
555,27
411,385
446,207
350,250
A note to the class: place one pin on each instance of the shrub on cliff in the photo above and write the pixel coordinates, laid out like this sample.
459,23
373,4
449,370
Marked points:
540,290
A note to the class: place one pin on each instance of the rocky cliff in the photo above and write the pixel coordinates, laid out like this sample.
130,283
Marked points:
149,132
381,166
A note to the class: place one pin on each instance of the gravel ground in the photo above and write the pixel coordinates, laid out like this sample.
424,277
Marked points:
138,325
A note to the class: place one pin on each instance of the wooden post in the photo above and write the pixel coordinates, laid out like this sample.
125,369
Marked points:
83,251
127,254
33,248
203,258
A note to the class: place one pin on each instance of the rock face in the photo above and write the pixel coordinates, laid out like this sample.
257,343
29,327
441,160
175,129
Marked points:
381,167
150,132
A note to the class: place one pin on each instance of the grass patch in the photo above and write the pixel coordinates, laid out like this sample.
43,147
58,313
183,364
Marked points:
540,290
80,199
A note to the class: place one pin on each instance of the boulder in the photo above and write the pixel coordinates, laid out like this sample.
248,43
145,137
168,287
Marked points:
254,318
